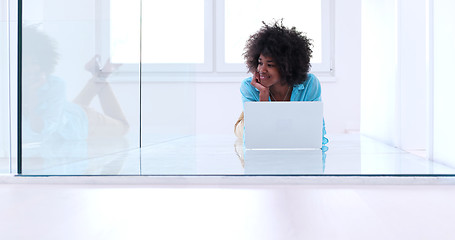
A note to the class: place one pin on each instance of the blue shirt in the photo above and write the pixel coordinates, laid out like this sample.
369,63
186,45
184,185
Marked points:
62,119
309,90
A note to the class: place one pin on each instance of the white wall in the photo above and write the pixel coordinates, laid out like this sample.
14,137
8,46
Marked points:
379,70
342,98
444,84
412,74
412,107
394,72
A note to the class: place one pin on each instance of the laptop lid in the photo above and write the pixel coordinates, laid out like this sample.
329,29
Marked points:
283,125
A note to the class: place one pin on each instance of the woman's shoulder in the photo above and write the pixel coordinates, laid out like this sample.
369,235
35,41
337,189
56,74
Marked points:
246,83
247,80
311,80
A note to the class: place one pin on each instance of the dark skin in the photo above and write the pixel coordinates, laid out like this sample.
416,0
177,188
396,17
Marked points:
267,80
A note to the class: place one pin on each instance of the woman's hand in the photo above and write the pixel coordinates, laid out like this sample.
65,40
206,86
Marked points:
263,90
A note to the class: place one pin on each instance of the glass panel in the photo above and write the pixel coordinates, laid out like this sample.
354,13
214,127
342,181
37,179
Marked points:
4,89
76,110
173,31
124,31
169,106
170,34
168,110
241,22
82,116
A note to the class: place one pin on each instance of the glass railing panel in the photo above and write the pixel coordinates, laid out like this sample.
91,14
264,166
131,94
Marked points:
4,90
80,101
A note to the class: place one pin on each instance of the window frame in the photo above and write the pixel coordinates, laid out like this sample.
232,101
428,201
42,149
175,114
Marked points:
326,66
207,65
214,47
103,34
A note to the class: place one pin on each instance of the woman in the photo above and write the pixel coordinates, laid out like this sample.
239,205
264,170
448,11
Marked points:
279,59
47,115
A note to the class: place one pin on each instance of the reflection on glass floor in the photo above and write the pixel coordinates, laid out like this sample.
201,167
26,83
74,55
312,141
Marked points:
350,154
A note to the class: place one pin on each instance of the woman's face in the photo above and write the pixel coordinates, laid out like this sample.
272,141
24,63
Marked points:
268,71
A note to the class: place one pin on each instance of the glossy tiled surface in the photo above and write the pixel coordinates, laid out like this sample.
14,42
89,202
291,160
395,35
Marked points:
349,154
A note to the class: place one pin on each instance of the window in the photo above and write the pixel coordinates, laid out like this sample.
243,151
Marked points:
180,35
176,34
237,21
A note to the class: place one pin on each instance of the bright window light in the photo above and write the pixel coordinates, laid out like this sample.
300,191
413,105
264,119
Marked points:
243,18
125,31
172,31
207,35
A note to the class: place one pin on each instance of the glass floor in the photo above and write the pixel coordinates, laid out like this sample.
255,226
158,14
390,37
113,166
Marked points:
348,154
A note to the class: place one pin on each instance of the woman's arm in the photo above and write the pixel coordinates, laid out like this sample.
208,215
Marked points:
264,92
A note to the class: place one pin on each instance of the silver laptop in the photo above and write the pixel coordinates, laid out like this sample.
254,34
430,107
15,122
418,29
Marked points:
283,125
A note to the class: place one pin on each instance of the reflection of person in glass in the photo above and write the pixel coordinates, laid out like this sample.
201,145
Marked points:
279,59
47,115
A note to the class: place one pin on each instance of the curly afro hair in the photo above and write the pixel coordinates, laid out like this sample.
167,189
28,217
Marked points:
290,49
39,48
